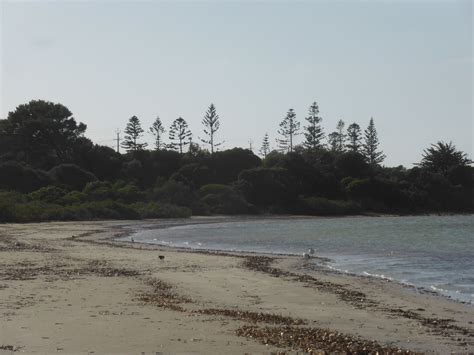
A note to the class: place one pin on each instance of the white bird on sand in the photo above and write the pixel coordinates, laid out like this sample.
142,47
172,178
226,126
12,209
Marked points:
306,256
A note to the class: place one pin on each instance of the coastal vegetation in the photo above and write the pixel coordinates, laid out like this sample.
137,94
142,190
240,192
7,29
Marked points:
49,170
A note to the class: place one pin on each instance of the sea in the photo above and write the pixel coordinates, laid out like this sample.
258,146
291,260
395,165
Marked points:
434,253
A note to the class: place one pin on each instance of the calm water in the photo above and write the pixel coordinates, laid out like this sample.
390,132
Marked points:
433,252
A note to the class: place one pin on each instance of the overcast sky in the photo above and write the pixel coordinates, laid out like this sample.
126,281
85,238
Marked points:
407,64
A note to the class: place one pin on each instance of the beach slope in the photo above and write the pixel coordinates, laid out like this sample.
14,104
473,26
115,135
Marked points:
70,287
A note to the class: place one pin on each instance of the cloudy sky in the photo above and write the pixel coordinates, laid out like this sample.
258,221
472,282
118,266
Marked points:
408,64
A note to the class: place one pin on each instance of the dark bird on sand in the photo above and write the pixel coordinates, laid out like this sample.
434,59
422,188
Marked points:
162,257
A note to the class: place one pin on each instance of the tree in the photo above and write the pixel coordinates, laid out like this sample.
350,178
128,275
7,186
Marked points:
341,136
333,141
211,126
354,137
133,132
179,134
265,149
157,130
71,175
289,128
443,157
370,151
313,132
40,131
336,139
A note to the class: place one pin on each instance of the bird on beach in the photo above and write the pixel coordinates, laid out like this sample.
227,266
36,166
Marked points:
162,257
306,256
310,251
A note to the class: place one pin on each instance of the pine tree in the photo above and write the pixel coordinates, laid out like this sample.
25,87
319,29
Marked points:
289,128
313,132
341,136
157,130
333,141
133,132
336,139
354,137
179,134
211,126
265,149
370,146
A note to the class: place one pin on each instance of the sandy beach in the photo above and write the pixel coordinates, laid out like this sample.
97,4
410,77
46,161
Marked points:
71,287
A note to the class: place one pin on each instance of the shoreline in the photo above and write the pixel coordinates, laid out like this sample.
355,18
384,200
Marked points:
320,259
58,280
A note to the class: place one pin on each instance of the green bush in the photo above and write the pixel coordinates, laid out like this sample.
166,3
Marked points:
71,175
33,211
98,190
323,207
215,189
175,193
73,198
8,200
223,199
160,210
48,194
15,208
20,177
129,193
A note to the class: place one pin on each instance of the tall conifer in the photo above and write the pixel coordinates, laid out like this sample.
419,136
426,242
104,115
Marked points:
289,128
133,132
313,131
372,155
179,134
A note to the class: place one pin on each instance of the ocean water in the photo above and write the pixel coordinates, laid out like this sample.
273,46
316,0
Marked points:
431,252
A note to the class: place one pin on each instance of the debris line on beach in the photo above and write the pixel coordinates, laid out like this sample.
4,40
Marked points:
315,340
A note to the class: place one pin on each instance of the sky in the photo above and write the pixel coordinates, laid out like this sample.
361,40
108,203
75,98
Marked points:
407,64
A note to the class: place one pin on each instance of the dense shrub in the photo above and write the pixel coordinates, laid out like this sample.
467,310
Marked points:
48,194
8,200
20,177
176,193
73,198
323,207
129,193
267,186
351,164
160,210
71,175
98,190
194,175
223,199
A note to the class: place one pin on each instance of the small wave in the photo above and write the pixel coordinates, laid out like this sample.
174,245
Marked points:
406,282
379,276
336,269
438,289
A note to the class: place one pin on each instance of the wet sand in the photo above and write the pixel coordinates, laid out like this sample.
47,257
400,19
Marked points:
72,288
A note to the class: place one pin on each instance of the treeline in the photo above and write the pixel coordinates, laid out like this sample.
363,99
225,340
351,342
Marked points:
181,138
50,171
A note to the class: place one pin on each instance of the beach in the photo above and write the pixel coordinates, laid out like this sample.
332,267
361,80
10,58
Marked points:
73,287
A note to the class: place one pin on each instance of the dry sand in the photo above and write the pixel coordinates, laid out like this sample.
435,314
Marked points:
70,288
